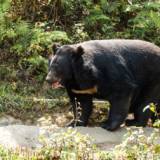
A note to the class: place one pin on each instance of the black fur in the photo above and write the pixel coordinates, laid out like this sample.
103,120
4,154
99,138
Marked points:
126,72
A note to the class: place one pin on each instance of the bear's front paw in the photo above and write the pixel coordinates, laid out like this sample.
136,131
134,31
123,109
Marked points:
71,124
130,122
111,126
74,123
133,122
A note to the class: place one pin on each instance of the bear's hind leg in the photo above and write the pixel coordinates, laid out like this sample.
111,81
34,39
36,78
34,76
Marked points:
118,111
142,116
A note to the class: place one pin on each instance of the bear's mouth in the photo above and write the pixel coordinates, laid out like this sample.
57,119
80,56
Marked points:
57,85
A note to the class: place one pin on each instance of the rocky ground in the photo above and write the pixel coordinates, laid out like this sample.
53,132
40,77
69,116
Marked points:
15,133
13,136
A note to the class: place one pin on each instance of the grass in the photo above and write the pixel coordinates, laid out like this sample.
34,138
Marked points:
31,103
23,97
28,101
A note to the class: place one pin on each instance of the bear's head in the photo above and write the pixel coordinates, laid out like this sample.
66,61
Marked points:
71,62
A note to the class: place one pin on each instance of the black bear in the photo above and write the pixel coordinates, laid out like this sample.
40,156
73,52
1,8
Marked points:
124,72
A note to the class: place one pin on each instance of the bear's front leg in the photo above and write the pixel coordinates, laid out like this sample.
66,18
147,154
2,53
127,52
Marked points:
85,103
75,121
118,111
86,109
73,103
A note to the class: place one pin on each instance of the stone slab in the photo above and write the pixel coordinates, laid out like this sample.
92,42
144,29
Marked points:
13,136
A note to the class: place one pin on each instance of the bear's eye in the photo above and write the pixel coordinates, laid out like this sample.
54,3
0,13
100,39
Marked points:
56,63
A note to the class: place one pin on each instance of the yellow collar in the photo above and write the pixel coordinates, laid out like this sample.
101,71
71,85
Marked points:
86,91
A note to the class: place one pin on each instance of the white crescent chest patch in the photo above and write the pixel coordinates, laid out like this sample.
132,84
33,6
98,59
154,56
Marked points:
92,90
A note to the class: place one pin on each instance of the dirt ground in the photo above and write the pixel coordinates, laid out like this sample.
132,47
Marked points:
59,116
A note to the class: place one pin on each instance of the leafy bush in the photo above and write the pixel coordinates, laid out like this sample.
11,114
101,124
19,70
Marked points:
99,22
79,33
37,66
82,20
69,145
138,146
23,41
156,114
23,38
147,26
42,40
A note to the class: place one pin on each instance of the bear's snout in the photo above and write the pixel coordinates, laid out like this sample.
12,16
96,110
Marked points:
48,79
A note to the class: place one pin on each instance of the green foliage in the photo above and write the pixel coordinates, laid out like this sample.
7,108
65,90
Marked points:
98,21
4,24
79,33
24,37
147,26
4,72
81,19
156,123
74,11
37,66
8,100
21,35
42,40
5,5
137,145
27,42
69,145
20,97
124,19
154,108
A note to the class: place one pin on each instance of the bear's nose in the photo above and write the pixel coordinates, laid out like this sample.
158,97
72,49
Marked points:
48,79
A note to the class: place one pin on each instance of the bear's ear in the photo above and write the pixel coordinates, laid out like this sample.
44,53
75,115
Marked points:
55,47
79,51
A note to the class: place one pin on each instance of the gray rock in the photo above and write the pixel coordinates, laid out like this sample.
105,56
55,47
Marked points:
8,120
13,136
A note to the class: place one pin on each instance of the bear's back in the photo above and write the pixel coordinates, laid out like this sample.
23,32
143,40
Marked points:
121,46
139,56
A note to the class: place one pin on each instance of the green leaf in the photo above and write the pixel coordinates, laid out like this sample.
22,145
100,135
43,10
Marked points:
151,107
